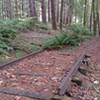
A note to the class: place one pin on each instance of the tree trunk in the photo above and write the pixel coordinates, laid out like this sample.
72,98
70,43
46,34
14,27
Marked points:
8,9
98,18
43,8
22,8
61,14
49,9
91,17
32,8
3,9
85,14
54,26
69,12
58,8
94,17
16,8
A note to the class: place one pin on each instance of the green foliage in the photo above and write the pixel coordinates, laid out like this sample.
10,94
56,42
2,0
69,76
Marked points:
42,26
55,41
19,53
23,24
7,33
34,47
78,35
72,40
3,47
81,30
10,28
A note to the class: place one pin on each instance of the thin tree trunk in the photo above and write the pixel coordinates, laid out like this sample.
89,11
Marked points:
69,12
16,8
43,7
85,14
98,19
32,8
22,8
58,11
3,9
94,18
61,14
8,9
54,26
91,17
49,9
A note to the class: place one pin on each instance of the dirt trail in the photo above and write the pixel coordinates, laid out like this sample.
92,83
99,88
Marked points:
35,36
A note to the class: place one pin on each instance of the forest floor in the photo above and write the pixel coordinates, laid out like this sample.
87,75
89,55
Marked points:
43,72
35,36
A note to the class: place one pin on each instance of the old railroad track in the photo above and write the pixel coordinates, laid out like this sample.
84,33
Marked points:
62,89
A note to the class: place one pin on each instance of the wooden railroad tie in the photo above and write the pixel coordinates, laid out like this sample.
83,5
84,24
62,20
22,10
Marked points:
65,83
24,93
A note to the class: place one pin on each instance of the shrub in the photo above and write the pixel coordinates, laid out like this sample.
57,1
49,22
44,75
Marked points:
79,29
35,47
61,39
8,33
55,41
42,26
4,48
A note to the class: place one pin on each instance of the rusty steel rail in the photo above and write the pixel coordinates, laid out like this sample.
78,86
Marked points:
65,83
19,59
24,93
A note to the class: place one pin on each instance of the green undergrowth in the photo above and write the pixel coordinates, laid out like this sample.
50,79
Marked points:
23,24
73,37
80,30
6,35
9,29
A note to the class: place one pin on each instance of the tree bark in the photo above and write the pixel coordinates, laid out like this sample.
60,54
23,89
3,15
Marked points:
98,18
49,9
16,8
54,26
43,8
9,9
85,14
69,12
32,8
91,17
58,8
94,17
61,14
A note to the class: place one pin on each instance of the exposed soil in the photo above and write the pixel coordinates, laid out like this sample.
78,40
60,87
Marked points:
35,37
43,73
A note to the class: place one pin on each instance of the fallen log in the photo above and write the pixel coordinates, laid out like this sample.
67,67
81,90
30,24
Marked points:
65,83
13,91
